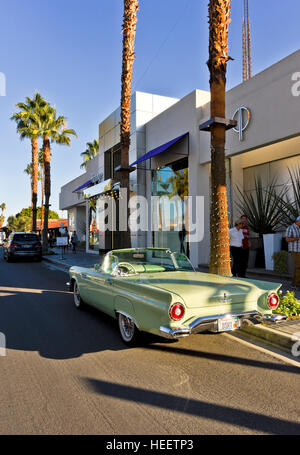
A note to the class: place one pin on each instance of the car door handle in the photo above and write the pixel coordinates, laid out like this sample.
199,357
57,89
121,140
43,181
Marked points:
109,281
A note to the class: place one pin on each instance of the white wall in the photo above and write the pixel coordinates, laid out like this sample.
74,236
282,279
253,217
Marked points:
275,112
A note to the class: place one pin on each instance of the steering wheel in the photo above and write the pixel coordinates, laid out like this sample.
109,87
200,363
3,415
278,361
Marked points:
127,266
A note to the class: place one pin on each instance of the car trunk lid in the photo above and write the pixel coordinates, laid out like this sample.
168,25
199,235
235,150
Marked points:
200,290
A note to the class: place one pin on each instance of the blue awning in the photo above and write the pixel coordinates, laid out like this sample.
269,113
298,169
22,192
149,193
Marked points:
83,186
159,149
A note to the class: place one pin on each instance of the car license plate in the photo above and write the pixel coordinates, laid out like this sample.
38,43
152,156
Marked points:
227,324
26,246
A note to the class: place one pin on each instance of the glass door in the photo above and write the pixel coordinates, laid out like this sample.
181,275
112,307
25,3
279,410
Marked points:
170,185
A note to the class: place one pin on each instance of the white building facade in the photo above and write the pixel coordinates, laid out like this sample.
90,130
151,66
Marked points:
165,131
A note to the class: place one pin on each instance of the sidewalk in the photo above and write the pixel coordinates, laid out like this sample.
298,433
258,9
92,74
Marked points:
282,335
80,258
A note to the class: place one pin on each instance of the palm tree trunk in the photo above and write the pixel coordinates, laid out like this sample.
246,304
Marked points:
47,183
219,13
129,30
34,183
43,192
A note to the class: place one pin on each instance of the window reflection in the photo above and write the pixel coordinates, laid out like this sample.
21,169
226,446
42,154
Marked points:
169,213
93,224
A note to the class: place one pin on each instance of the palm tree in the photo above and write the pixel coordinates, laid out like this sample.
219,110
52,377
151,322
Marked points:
90,153
52,129
129,30
27,120
42,179
29,172
219,18
2,218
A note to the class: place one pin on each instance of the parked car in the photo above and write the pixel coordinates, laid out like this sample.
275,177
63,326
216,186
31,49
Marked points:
158,291
2,238
22,244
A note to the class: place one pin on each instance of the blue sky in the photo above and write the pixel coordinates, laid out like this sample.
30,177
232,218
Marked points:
70,51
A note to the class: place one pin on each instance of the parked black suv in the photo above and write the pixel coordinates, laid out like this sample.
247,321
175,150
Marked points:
22,244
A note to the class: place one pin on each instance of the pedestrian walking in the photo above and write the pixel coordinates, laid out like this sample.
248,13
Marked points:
246,244
293,240
74,240
236,246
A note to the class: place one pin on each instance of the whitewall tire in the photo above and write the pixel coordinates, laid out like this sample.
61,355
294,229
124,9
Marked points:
128,330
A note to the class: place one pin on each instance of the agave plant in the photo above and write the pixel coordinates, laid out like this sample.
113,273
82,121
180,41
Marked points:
290,205
263,207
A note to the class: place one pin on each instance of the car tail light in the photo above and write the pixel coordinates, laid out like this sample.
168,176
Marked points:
176,311
14,245
273,301
37,244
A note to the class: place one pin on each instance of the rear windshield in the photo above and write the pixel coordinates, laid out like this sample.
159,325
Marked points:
26,238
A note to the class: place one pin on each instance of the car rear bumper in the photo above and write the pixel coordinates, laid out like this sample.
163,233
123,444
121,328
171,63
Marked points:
25,254
210,323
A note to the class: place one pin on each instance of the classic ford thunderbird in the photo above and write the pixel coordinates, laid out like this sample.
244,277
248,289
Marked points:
158,291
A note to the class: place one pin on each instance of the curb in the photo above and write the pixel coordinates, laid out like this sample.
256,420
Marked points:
53,261
272,337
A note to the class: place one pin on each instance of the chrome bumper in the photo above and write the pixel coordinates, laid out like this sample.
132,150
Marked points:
210,323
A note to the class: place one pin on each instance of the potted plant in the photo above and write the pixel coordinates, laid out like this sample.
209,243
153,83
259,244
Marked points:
265,217
289,201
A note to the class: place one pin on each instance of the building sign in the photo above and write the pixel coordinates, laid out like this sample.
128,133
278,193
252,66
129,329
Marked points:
61,241
242,115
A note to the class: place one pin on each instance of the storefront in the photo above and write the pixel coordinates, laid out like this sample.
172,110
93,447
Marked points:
266,142
170,151
83,196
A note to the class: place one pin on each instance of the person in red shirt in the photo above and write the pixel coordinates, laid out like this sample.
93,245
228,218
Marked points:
246,245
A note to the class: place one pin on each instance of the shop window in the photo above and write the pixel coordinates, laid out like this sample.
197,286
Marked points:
170,185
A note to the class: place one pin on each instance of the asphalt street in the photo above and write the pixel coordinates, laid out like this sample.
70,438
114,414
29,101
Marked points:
67,372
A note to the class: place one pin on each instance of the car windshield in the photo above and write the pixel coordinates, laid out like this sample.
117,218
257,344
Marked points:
143,260
25,238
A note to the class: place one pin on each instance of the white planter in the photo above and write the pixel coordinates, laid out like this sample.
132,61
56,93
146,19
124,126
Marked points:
272,244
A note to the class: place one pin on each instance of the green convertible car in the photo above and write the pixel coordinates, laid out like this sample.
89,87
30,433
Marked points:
158,291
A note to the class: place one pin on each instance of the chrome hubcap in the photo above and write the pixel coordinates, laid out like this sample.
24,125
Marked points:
127,327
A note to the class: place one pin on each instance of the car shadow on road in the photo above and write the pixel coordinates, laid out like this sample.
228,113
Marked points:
47,321
214,412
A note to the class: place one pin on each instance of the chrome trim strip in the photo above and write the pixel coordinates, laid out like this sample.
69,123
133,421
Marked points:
176,333
127,316
274,318
201,324
214,318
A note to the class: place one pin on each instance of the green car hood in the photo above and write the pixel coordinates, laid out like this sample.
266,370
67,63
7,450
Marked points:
199,289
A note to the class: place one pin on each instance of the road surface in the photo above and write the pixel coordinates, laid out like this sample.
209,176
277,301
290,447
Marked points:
68,372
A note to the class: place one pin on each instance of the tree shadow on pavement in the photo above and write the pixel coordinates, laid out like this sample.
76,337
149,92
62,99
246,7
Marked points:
171,349
225,414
